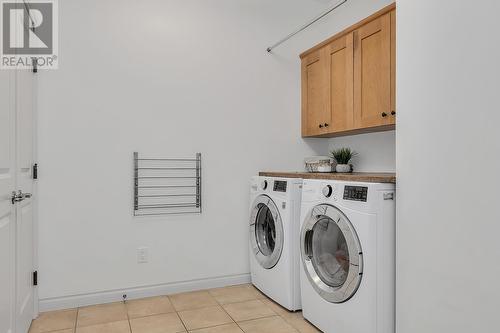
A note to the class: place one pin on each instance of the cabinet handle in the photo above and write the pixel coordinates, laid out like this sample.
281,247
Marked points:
393,113
326,125
384,114
320,126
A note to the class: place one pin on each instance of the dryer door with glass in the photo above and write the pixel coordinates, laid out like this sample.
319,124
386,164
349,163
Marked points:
266,232
331,254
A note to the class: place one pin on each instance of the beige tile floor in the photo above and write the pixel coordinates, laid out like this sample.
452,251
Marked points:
233,309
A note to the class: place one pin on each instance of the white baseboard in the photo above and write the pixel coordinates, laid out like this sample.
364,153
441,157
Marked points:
74,301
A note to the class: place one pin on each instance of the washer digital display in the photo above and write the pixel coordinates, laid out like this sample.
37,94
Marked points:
356,193
279,186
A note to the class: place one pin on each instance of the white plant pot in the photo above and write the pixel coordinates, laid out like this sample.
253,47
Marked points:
343,168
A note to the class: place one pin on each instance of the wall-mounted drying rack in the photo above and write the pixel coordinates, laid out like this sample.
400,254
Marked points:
167,185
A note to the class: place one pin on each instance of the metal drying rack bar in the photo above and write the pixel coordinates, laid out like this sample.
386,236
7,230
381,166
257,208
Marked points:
167,185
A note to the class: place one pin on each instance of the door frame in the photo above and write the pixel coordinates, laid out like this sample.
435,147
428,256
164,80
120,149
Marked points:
34,198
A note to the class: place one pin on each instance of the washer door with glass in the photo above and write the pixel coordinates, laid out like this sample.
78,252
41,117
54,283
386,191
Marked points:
331,254
266,232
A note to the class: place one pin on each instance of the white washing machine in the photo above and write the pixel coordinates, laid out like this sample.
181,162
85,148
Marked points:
274,238
347,246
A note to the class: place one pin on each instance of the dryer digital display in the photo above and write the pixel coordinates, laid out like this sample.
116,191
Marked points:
356,193
279,186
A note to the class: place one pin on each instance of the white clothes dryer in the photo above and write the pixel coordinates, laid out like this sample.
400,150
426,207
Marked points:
274,238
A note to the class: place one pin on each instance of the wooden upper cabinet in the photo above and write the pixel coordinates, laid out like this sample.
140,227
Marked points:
372,72
348,81
341,76
327,88
314,94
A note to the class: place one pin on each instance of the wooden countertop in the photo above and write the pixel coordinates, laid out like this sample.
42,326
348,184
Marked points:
367,177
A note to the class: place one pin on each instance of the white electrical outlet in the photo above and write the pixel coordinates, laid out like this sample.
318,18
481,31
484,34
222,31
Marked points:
142,255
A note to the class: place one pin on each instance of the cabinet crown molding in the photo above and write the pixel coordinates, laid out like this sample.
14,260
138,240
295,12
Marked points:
353,27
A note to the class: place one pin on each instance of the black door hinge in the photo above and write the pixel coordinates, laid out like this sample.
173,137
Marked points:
34,62
35,278
35,171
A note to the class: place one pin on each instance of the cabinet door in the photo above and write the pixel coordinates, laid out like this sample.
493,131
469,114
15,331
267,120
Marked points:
341,75
392,119
372,73
315,112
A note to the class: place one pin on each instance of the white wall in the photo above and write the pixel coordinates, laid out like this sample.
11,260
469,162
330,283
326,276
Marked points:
376,151
448,160
166,78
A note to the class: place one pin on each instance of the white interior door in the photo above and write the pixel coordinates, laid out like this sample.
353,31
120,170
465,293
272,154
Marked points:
7,211
24,209
17,297
16,219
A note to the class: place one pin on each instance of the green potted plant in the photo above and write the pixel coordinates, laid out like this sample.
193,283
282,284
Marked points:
343,156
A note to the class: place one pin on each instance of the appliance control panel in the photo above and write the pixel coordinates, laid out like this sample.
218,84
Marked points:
279,186
356,193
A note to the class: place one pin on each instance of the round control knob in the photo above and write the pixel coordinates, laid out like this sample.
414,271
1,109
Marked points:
327,191
264,185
